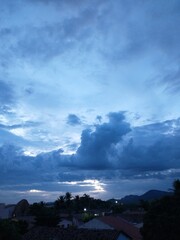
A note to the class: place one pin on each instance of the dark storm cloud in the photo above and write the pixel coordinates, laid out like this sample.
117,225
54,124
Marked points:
153,147
152,152
162,155
52,160
73,120
147,135
11,158
95,146
45,164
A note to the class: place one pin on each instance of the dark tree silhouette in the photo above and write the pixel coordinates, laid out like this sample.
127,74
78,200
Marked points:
162,220
176,186
68,203
77,203
9,230
44,216
59,203
68,197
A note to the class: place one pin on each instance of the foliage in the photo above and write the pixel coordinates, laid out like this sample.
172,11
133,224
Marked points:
9,230
162,220
60,203
176,186
77,203
45,216
117,208
64,202
22,226
36,208
68,197
87,217
144,204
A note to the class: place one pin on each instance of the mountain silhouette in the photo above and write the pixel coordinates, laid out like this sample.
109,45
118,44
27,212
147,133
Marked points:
148,196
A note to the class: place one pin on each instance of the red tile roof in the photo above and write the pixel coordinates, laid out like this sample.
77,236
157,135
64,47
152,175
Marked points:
122,225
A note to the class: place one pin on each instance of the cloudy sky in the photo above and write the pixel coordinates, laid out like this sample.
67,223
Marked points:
89,97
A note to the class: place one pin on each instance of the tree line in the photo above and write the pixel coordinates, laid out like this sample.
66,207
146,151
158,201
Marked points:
162,220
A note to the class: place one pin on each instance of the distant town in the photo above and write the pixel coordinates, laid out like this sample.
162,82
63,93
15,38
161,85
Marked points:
84,217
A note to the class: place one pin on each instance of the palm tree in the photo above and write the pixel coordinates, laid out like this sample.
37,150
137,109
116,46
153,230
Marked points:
77,202
68,197
77,197
61,199
85,200
59,203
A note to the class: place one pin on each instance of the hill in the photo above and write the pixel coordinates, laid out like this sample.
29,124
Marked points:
148,196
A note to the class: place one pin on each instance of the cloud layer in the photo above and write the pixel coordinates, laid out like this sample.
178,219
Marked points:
112,151
89,90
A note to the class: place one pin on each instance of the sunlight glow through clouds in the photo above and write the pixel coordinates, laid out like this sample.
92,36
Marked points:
39,193
96,185
36,191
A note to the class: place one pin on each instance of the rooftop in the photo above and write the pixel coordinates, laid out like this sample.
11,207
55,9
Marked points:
45,233
122,225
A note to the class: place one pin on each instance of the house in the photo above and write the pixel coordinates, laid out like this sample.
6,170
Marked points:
65,223
127,230
133,216
96,223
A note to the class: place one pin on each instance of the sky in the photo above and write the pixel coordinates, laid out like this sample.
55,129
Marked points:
89,97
